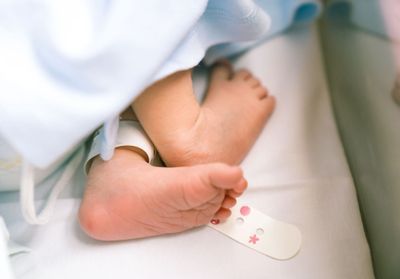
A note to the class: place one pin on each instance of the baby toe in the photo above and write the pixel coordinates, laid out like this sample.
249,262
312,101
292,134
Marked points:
242,74
222,70
261,92
253,82
269,103
222,214
228,202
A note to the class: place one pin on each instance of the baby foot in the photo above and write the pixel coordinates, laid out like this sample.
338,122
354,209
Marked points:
238,105
126,198
232,116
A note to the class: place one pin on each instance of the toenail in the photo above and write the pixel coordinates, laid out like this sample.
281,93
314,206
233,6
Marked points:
215,221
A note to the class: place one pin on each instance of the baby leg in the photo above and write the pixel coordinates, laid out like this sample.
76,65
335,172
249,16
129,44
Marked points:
222,129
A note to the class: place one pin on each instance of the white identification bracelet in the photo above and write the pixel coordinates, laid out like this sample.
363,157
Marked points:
260,232
130,133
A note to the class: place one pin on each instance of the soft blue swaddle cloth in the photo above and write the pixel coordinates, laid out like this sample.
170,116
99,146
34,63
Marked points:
66,67
282,13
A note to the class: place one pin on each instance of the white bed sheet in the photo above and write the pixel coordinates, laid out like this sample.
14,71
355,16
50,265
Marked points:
297,173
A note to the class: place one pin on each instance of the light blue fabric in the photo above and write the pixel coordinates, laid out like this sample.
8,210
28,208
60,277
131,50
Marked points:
283,14
68,66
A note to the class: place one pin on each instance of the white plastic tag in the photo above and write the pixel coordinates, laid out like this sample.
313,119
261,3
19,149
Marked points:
260,232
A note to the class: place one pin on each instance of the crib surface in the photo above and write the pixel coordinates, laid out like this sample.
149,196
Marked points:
297,172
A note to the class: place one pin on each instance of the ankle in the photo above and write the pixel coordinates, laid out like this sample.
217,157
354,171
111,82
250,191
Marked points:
190,146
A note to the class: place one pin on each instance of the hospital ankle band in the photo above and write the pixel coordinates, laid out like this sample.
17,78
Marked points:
260,232
130,134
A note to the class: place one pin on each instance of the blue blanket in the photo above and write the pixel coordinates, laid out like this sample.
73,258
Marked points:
68,66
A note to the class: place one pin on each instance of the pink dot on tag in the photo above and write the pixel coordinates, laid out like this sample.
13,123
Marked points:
245,210
215,221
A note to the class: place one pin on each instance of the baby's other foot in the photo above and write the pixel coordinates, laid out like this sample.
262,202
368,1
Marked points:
240,105
232,116
126,198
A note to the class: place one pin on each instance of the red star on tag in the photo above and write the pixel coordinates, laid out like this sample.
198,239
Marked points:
253,239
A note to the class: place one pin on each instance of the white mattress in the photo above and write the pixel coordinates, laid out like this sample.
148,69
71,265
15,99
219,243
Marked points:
297,173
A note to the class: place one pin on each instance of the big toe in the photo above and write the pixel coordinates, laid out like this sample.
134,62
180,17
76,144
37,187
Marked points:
269,104
222,70
227,177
